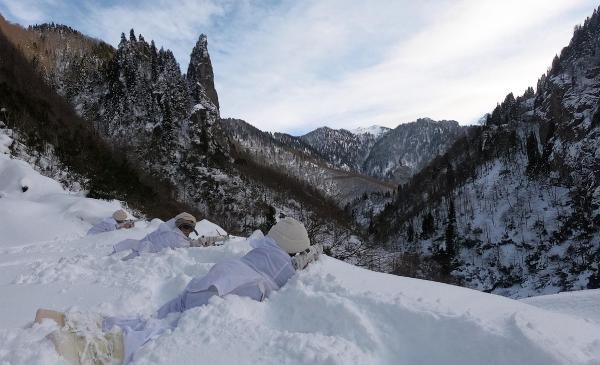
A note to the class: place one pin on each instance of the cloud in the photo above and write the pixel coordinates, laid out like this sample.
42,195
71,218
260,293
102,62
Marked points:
286,65
462,59
25,11
447,60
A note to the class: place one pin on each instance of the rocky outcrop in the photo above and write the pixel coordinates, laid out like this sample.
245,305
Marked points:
200,76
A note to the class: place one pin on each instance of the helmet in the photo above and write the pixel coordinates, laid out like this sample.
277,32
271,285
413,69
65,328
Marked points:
184,218
290,235
120,215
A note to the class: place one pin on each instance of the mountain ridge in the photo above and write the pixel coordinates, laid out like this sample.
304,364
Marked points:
392,155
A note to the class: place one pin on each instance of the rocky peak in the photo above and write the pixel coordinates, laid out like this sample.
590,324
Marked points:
200,75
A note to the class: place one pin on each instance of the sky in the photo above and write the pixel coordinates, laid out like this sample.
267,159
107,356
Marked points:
292,66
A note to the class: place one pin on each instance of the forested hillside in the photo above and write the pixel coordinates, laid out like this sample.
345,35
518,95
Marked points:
513,207
154,122
47,125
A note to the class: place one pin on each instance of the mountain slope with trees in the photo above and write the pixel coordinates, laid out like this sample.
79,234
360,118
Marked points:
340,147
46,124
513,207
160,124
295,158
406,149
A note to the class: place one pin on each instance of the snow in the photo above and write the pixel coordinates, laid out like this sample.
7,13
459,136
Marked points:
5,141
198,107
578,303
331,313
43,212
375,130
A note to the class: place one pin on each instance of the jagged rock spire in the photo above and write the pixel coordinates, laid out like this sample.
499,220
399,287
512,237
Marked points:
200,75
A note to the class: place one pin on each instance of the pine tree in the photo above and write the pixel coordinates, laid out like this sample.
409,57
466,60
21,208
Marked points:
556,67
269,219
410,233
132,36
529,93
123,41
533,154
450,177
594,280
450,234
445,254
153,61
427,226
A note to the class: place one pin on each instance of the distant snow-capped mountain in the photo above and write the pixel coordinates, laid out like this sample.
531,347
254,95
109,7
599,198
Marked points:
380,152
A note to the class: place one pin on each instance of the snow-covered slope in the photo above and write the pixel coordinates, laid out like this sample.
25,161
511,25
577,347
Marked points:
35,208
305,161
583,303
331,313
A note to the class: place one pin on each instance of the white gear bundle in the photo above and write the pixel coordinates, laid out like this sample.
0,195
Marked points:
80,339
302,259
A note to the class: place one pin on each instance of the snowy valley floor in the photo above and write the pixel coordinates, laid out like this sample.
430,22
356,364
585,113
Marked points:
331,313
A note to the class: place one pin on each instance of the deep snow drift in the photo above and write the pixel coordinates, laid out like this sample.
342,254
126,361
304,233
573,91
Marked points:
331,313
